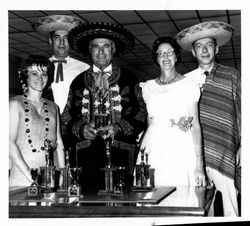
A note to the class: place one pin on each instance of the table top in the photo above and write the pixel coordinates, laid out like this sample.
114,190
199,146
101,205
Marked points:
160,201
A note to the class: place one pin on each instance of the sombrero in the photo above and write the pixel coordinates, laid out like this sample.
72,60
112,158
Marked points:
80,36
44,25
218,30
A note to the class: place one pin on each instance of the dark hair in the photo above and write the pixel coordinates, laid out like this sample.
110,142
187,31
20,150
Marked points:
39,61
169,40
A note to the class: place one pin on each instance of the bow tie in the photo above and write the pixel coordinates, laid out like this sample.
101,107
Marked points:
59,72
101,79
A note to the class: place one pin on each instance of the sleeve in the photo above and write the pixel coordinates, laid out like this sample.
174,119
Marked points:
134,114
193,91
72,115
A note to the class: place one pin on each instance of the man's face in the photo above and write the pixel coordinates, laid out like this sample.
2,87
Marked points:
60,45
37,77
102,50
205,50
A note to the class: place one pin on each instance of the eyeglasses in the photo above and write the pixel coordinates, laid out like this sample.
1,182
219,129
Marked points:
168,53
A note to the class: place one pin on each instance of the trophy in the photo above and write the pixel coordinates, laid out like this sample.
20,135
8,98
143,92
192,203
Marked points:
144,175
74,188
65,174
34,188
48,172
119,188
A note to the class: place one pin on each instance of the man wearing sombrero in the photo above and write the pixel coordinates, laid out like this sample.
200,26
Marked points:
105,96
56,28
220,107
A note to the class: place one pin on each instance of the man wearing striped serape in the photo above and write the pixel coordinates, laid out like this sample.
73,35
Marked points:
220,108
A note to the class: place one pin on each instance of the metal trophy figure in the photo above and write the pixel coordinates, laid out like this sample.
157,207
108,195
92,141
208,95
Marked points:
34,188
74,188
144,175
48,172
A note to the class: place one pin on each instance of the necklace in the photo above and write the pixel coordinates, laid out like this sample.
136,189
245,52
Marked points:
26,120
167,81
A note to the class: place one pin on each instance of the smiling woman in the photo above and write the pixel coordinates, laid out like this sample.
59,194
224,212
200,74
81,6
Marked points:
34,120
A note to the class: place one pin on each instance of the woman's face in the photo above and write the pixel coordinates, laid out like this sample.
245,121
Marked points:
166,57
37,77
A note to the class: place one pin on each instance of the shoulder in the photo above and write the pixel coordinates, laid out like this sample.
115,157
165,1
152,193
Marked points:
227,70
79,79
16,101
78,62
128,77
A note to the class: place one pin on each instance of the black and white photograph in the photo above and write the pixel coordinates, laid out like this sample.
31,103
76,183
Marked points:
125,113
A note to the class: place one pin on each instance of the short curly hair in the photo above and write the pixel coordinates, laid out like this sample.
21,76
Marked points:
40,61
169,40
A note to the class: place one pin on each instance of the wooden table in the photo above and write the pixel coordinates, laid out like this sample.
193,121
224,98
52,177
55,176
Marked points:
161,201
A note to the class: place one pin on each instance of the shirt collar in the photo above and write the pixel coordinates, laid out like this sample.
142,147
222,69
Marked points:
96,69
54,58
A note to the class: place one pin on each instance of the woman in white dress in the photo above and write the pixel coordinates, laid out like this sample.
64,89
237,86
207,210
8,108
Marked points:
173,138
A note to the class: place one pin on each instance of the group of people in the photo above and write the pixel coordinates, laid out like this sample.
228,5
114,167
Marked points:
189,125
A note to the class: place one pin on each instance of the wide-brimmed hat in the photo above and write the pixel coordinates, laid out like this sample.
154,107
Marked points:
80,36
218,30
44,25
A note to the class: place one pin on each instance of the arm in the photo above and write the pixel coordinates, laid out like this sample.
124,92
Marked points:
14,151
60,146
197,140
72,116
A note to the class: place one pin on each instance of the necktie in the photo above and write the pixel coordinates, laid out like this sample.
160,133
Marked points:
101,79
206,73
59,72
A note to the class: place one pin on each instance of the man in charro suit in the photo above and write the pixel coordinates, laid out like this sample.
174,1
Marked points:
104,89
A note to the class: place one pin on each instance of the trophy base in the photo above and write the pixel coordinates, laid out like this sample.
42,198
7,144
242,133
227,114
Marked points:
142,189
34,191
105,192
74,191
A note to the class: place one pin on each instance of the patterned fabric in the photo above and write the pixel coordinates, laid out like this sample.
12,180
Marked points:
124,109
220,115
218,30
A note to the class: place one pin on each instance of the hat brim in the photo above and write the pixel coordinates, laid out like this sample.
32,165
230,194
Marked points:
81,36
220,31
45,25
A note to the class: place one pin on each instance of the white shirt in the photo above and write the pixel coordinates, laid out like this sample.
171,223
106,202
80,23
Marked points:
71,69
107,69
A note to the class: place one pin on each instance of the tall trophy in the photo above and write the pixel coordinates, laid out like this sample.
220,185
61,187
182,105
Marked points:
34,188
101,118
144,174
65,175
48,171
74,188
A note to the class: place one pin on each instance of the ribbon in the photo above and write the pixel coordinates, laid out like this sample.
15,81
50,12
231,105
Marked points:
101,79
59,72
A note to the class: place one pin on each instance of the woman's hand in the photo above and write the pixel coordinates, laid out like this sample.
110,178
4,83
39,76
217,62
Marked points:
200,176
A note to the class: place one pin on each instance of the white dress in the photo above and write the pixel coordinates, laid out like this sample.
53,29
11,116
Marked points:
170,149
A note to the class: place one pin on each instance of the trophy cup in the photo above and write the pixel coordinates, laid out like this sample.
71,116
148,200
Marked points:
144,175
48,172
34,188
74,188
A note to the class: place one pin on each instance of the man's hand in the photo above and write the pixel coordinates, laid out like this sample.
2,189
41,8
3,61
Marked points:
110,130
89,132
